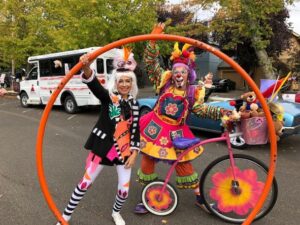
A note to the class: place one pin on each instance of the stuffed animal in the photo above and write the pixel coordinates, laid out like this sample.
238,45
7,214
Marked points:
208,83
255,111
277,116
278,128
250,99
252,107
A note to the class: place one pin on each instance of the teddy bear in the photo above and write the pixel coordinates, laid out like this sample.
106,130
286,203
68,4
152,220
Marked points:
252,107
277,117
208,80
278,128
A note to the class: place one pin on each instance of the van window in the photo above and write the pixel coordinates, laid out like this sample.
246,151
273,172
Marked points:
57,68
109,66
69,62
100,66
45,68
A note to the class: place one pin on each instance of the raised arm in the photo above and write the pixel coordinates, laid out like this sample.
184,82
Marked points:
89,78
207,111
151,59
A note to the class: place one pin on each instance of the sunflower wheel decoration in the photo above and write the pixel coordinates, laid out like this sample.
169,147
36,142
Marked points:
158,201
232,192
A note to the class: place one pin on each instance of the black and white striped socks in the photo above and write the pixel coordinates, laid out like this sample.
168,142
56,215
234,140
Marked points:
77,195
119,201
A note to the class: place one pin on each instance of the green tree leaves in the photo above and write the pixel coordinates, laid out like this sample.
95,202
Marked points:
32,27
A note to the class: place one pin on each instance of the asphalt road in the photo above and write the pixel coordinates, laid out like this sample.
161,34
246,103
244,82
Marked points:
21,200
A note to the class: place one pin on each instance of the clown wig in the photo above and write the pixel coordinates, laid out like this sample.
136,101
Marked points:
124,65
184,58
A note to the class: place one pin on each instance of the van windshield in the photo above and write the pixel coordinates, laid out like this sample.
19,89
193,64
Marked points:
33,74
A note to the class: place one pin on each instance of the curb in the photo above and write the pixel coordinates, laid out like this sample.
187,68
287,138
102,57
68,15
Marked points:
12,93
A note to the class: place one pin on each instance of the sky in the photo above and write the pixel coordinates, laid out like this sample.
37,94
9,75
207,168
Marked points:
294,11
295,16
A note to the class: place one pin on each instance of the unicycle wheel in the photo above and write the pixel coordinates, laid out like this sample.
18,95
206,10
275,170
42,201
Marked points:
158,202
232,199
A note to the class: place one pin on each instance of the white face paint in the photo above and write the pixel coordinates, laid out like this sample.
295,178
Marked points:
179,76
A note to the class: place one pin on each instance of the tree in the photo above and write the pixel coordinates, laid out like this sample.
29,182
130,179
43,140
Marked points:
239,22
32,27
179,20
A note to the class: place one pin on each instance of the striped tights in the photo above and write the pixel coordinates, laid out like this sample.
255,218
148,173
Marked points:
87,180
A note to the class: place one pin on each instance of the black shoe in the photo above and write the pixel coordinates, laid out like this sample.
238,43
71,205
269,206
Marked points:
200,203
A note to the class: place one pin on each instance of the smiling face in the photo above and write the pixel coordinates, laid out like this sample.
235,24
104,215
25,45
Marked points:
124,85
180,76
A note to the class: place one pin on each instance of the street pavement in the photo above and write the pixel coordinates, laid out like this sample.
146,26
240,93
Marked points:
21,200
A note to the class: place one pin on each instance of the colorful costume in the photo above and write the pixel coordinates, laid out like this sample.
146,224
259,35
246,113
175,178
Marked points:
115,135
168,118
104,138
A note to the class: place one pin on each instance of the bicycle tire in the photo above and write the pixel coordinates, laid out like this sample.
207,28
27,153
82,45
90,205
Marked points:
172,198
242,162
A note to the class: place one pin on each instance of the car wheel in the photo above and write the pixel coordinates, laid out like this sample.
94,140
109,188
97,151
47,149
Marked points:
24,100
70,105
144,111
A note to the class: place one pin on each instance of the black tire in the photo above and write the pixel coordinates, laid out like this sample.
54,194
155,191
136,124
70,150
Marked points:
144,110
157,185
238,142
243,162
24,100
70,105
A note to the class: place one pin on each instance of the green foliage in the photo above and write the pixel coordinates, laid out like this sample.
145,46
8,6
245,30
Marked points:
32,27
242,21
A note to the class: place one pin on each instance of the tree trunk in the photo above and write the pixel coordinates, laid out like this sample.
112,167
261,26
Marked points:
13,67
265,63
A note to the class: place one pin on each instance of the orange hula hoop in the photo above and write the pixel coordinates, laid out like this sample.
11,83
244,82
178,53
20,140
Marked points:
166,37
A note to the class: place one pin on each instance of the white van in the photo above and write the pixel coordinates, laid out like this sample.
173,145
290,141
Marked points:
48,70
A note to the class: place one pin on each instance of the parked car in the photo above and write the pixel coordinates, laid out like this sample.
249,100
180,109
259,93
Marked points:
291,96
6,79
291,119
223,85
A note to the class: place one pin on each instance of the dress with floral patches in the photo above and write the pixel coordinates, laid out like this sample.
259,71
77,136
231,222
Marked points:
163,124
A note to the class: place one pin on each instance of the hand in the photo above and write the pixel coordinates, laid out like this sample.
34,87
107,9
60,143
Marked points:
131,160
86,65
158,28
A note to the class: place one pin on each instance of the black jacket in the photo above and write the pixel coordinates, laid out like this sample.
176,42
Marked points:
101,138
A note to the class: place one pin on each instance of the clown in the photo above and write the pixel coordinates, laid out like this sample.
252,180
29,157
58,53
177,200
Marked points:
167,120
115,138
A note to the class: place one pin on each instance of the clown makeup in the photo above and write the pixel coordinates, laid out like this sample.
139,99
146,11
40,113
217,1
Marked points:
124,85
179,76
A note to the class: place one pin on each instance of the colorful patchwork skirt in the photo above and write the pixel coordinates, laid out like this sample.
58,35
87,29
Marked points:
157,136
